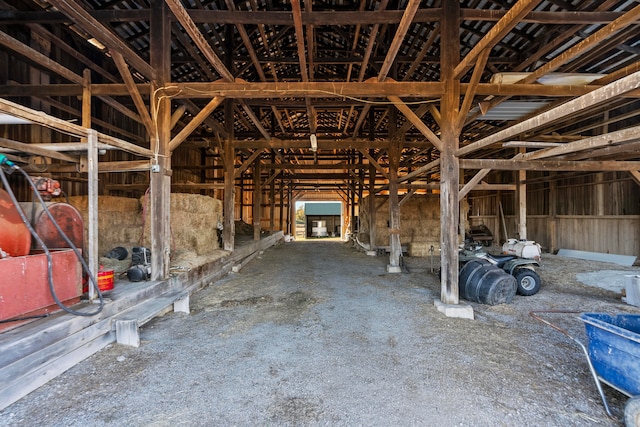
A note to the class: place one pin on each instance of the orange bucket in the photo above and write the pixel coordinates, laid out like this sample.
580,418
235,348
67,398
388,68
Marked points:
105,280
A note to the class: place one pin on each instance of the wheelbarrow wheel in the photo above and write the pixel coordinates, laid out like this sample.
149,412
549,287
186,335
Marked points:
528,281
632,412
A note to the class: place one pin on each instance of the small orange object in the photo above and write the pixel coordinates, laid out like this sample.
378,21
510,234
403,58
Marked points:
105,280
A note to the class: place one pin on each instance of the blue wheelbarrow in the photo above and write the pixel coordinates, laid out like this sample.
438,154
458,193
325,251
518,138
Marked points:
613,355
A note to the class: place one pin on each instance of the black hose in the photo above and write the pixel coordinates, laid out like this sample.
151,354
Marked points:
5,182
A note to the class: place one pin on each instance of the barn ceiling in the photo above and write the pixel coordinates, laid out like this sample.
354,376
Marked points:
355,75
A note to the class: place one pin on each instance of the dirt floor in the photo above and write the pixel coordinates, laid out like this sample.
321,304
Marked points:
317,333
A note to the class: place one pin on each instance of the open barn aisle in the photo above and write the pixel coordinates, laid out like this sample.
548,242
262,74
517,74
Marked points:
317,333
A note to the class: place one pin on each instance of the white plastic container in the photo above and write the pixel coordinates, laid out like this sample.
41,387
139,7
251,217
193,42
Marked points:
522,248
632,288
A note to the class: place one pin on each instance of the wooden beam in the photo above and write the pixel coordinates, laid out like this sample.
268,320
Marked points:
239,170
190,27
302,166
598,37
550,165
417,121
420,171
407,19
38,58
125,166
612,138
195,122
596,97
583,46
134,93
495,34
375,163
83,19
472,183
449,167
38,117
362,17
37,151
471,89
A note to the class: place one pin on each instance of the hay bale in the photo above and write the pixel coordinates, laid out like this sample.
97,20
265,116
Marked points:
194,221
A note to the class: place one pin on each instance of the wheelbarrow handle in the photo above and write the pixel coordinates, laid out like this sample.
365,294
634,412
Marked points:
535,315
594,374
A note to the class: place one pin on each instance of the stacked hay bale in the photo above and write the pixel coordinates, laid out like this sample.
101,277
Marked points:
119,220
194,220
419,223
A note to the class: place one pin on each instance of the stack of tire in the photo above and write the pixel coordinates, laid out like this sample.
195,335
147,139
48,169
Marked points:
482,282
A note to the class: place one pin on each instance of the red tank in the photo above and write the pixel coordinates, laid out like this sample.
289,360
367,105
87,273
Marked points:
15,238
67,217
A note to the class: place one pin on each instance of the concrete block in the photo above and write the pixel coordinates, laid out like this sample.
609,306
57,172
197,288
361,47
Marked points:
181,305
394,269
372,253
462,311
127,332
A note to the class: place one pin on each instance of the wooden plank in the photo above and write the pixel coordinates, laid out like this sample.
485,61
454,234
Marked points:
48,371
596,97
550,165
631,134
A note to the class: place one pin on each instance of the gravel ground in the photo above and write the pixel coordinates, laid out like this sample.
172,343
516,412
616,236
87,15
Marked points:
315,333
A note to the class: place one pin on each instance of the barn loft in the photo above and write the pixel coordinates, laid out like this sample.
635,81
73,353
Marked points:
423,118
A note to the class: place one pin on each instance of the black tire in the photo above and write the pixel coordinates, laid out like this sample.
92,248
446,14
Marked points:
528,281
632,412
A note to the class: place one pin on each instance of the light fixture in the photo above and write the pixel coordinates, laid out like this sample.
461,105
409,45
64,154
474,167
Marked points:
314,142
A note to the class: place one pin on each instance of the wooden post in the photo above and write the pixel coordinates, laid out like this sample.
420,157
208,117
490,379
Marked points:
372,207
281,206
553,211
463,224
272,206
228,231
290,207
395,249
257,199
160,187
522,205
449,165
90,162
92,226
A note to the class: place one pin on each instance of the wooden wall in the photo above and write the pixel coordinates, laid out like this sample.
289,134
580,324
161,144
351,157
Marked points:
598,212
